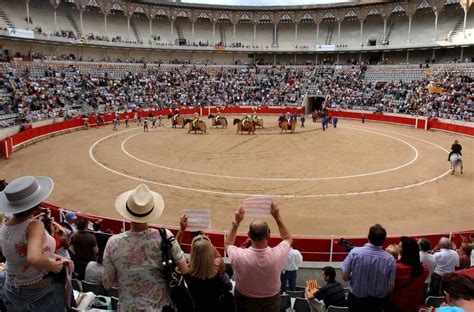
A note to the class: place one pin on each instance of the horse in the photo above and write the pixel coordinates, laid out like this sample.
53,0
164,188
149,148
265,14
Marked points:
285,126
180,121
258,122
456,162
200,126
249,126
221,122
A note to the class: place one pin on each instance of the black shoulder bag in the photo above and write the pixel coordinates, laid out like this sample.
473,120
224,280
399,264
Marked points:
176,285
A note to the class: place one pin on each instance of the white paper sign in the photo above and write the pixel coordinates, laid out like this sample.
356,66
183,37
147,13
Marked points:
260,206
198,219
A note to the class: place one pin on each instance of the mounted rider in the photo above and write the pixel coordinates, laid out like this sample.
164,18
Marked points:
218,115
195,120
288,117
456,148
245,119
175,114
254,115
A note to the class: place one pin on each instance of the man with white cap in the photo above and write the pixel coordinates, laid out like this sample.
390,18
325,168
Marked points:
134,258
29,249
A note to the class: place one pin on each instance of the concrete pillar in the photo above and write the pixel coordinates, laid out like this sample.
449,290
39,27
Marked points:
55,20
464,24
213,33
296,34
172,28
436,25
361,31
151,28
27,15
82,24
105,24
409,28
192,29
254,33
128,27
338,31
317,32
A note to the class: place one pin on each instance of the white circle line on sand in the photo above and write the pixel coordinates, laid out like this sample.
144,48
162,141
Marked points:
274,195
279,179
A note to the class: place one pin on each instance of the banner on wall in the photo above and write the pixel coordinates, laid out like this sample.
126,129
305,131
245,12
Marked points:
325,47
21,33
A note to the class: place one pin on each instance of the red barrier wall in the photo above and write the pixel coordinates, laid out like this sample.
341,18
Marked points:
439,125
313,249
433,123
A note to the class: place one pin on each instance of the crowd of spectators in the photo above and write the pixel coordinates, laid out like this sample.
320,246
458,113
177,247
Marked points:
348,90
148,88
47,87
41,254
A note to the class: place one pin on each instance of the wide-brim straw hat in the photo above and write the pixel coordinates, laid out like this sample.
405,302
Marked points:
25,193
140,205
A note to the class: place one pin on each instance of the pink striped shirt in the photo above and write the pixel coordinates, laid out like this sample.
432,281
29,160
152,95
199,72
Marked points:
257,271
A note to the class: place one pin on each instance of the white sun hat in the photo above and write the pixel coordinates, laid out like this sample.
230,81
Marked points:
25,193
140,205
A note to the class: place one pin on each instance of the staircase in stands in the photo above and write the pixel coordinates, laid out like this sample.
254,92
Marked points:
456,29
135,31
330,35
6,19
73,23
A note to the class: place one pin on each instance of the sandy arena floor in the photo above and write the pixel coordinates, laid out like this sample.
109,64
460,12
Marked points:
338,182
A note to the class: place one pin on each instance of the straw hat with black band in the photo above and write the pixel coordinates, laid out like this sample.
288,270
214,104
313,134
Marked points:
25,193
140,205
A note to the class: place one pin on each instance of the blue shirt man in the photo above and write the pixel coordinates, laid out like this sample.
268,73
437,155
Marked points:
371,272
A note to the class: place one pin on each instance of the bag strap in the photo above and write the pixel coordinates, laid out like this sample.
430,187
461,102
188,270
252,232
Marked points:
165,246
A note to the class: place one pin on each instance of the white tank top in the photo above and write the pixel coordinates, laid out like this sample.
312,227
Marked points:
14,248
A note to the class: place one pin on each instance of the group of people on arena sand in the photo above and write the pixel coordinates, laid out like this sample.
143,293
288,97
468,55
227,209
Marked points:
246,118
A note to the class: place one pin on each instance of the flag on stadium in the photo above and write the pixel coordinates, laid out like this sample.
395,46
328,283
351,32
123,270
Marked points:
260,206
198,219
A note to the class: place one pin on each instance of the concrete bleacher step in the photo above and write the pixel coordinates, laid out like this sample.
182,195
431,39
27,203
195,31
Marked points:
73,23
135,31
390,28
330,35
456,29
6,18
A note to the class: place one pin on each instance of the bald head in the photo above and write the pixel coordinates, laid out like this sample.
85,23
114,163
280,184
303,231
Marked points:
259,231
445,242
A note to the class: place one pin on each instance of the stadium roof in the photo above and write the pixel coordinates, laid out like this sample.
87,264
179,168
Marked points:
264,2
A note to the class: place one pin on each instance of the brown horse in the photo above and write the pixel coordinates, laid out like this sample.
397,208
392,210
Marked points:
180,121
200,126
249,126
221,122
285,125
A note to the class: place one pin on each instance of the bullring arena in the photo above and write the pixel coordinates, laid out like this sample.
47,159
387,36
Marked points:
334,182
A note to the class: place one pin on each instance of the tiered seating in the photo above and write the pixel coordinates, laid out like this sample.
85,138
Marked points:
384,74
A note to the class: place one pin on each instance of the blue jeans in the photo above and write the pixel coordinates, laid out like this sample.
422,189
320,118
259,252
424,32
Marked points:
289,276
49,298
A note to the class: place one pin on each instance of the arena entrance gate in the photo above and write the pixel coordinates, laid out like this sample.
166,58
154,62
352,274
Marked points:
314,103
